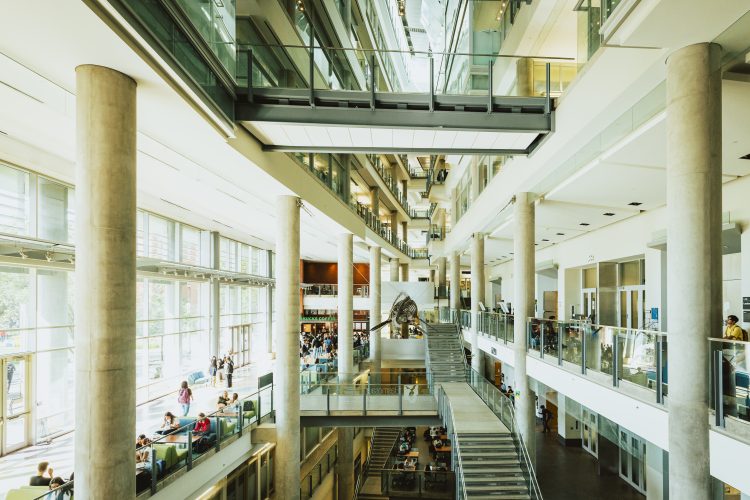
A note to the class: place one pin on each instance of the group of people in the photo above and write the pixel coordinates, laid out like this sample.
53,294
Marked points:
45,477
317,347
221,368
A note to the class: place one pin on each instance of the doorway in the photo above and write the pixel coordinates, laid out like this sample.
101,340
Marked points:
241,343
588,304
590,431
632,460
15,416
631,309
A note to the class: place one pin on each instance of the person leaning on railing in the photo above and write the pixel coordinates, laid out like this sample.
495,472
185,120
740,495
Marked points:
733,331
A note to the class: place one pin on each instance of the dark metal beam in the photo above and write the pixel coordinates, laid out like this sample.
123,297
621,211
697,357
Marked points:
370,421
382,150
395,118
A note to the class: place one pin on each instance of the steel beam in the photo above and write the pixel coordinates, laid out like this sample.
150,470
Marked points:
383,150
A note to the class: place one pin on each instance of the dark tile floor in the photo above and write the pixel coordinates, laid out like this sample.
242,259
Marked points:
570,473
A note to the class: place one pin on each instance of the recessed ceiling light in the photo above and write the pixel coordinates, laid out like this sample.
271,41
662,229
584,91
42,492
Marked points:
545,239
609,214
635,203
561,234
584,224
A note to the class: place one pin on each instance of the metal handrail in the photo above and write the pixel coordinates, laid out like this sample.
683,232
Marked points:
363,475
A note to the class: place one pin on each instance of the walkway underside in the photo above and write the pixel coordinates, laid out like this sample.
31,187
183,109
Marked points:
360,121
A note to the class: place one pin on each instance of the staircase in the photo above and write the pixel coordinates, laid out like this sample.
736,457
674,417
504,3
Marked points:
445,353
491,468
382,444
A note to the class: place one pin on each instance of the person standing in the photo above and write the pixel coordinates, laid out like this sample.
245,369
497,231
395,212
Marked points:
184,397
39,479
212,369
228,370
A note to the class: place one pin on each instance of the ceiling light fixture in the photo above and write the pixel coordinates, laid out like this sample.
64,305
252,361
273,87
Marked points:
584,224
635,203
609,214
561,234
402,8
300,6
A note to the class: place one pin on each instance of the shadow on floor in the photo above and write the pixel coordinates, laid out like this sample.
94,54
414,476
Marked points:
571,473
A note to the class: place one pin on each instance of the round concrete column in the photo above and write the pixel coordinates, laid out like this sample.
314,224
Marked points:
441,276
345,306
375,307
694,274
345,463
105,237
523,293
405,272
286,371
477,296
455,301
394,269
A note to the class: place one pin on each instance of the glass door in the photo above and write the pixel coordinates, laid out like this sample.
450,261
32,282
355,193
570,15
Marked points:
245,345
590,432
588,303
633,460
15,417
631,307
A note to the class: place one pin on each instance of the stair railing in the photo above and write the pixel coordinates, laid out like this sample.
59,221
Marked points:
363,474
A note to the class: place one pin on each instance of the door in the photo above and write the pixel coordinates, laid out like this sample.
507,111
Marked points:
590,431
588,303
15,417
632,460
631,307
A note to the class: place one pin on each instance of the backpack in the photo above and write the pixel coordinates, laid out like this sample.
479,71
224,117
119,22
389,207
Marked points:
744,335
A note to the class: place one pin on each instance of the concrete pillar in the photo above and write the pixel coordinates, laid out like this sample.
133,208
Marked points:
476,188
286,369
375,307
375,201
455,301
269,305
477,296
405,231
523,294
105,237
394,269
441,276
345,307
215,296
345,463
694,275
394,225
405,272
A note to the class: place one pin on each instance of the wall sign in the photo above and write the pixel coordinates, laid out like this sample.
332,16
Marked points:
745,302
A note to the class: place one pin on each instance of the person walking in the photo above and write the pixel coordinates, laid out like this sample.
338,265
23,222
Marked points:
212,369
546,417
184,397
228,371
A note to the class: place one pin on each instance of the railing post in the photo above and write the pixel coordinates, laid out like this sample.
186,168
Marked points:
364,402
190,449
432,85
548,100
616,359
583,350
372,82
489,86
560,330
218,434
328,400
718,387
541,339
400,397
240,417
154,470
659,365
312,62
250,96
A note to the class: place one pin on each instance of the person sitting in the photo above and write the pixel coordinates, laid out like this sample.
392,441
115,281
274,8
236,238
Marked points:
39,479
223,400
169,425
235,399
54,484
142,449
202,425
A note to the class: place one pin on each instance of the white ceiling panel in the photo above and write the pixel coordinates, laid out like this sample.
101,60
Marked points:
319,135
464,139
423,139
382,137
361,137
403,138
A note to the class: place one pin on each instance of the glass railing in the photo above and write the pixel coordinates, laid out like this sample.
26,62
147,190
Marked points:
638,357
368,393
435,233
464,318
730,381
504,410
497,326
332,290
397,480
182,448
389,181
511,75
63,492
